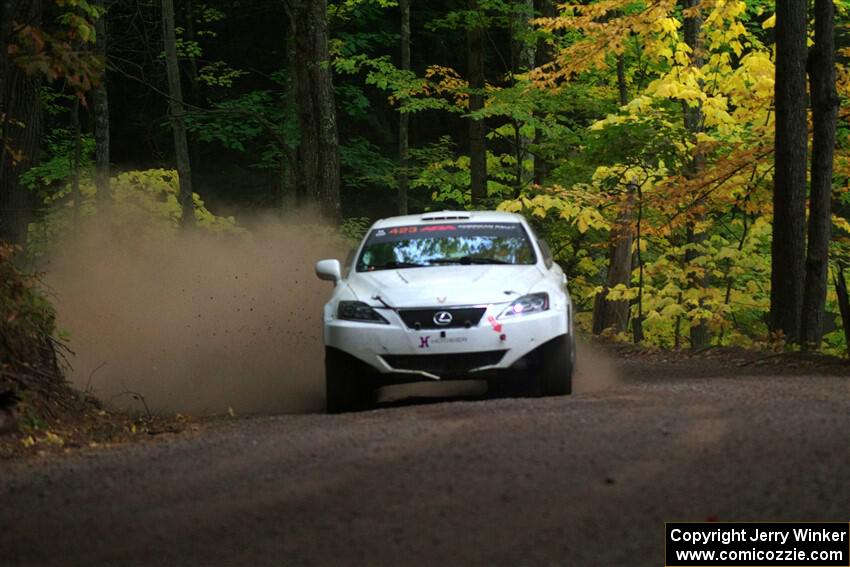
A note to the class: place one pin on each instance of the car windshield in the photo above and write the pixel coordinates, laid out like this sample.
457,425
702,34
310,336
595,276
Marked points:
425,245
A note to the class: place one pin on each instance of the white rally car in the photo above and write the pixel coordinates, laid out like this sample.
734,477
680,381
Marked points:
447,296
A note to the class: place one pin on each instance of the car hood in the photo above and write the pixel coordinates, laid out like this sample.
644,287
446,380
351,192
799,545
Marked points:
445,285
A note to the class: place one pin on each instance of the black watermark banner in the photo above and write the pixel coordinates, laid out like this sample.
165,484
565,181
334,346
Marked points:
745,544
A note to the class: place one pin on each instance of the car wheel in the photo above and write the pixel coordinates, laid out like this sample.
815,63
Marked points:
556,366
343,387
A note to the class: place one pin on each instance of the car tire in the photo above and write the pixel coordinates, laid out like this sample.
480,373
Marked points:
344,389
556,366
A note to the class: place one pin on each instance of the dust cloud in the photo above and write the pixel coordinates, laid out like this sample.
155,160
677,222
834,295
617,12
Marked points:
197,323
594,370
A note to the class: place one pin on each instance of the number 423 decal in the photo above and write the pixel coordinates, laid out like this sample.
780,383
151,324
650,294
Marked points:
395,231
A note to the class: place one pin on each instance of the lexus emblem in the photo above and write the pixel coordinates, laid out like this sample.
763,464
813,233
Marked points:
443,318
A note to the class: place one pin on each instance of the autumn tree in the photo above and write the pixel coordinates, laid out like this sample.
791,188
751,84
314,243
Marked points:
649,129
614,314
692,111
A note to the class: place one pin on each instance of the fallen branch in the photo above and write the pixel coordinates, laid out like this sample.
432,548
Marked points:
136,396
760,359
88,382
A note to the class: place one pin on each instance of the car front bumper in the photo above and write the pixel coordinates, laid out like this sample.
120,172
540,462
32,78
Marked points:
493,344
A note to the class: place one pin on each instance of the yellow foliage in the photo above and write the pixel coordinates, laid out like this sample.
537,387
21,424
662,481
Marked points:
144,203
448,83
53,439
731,81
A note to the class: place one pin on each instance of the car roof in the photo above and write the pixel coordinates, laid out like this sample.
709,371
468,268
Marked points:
449,216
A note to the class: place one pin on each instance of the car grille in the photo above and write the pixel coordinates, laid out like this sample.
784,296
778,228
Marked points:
462,317
444,364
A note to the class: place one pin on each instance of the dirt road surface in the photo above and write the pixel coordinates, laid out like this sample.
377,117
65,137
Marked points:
583,480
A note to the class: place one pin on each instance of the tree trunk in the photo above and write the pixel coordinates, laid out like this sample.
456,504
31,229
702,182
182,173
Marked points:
194,87
318,150
20,124
543,55
289,198
76,158
522,60
824,115
699,334
326,193
615,314
608,314
622,88
477,131
843,303
404,117
181,143
522,51
308,141
789,194
637,321
301,103
100,95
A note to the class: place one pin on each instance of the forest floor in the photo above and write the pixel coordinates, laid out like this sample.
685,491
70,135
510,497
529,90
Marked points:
732,360
54,418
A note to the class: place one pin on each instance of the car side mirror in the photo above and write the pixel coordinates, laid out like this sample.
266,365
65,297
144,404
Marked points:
329,270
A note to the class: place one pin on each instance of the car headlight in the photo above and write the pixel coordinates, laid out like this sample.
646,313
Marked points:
531,303
359,311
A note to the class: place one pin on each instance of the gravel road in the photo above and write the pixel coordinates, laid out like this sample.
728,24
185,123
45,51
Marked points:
583,480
